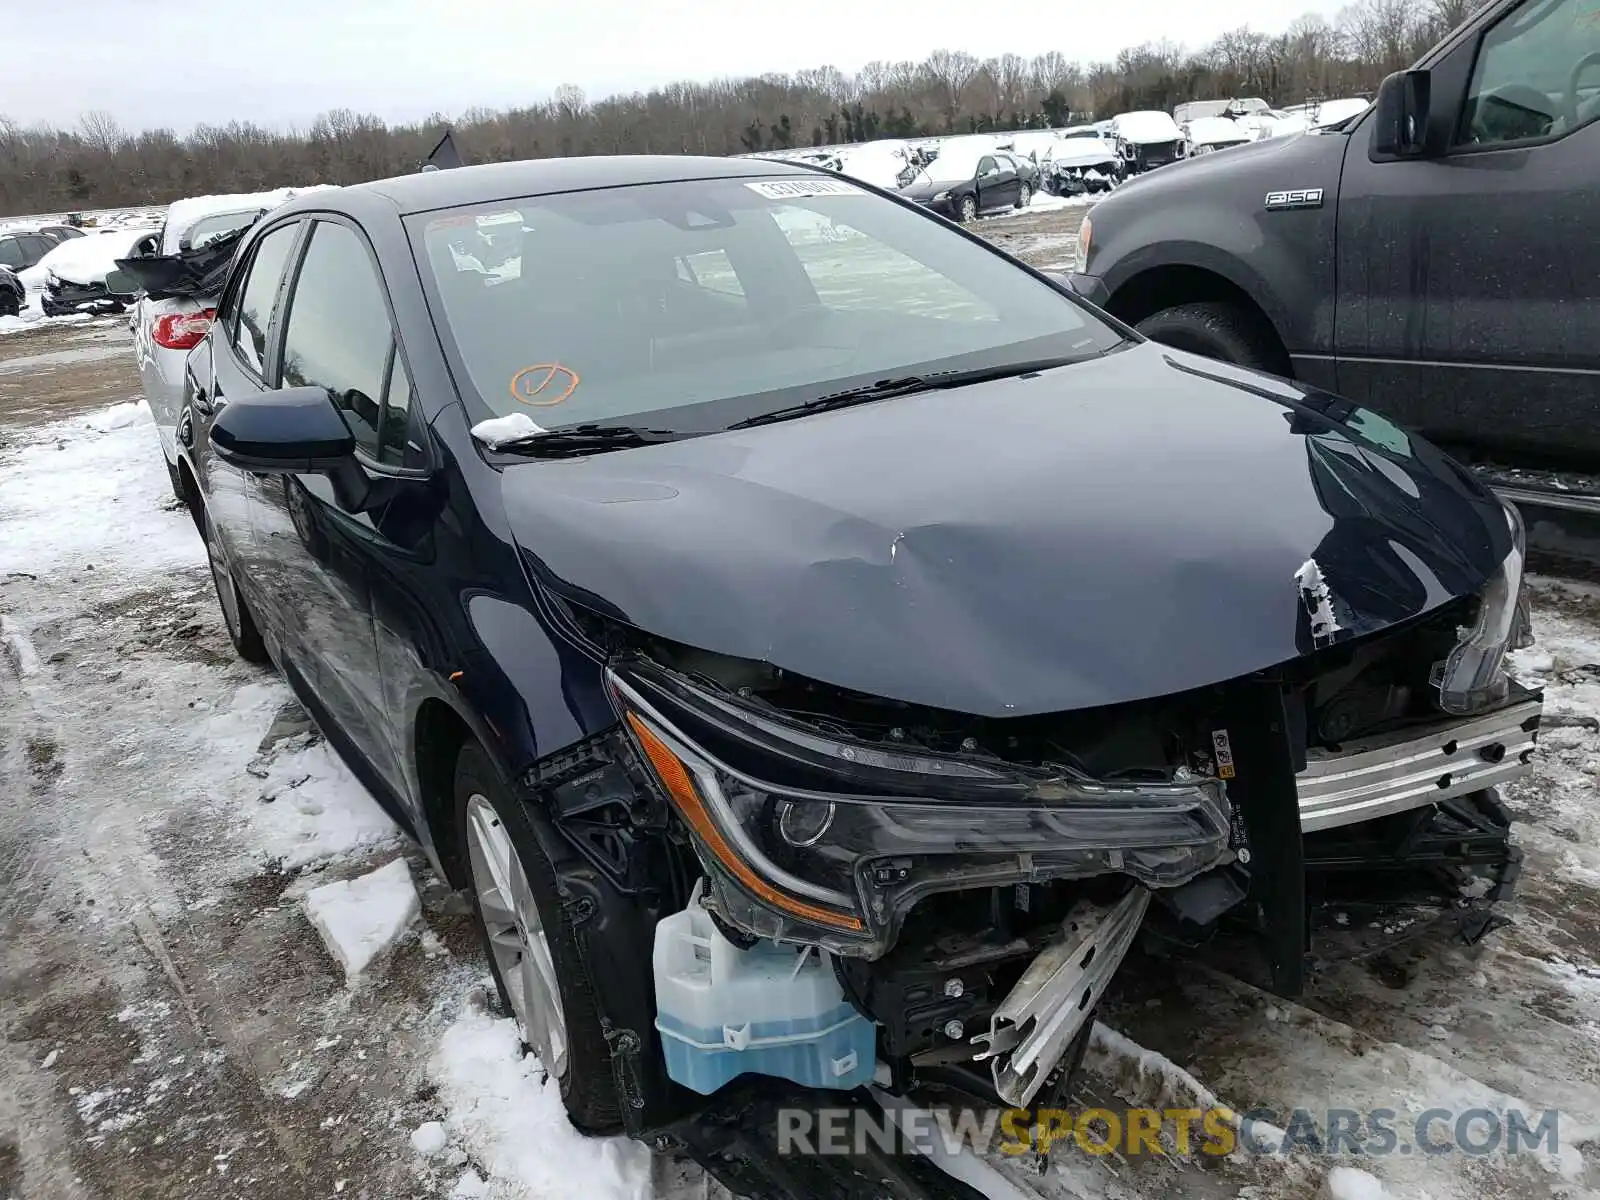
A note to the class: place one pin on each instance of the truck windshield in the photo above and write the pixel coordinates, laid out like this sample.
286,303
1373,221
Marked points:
695,305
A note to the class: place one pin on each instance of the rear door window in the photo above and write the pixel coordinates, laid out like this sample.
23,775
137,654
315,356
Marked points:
259,295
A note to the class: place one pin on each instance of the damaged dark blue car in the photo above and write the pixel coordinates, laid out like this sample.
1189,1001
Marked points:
821,645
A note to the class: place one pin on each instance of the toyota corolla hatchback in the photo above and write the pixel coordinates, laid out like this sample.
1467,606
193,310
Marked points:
820,658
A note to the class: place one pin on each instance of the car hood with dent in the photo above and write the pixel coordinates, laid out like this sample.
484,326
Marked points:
1129,527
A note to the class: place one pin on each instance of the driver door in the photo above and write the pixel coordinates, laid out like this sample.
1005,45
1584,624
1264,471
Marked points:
997,182
1469,282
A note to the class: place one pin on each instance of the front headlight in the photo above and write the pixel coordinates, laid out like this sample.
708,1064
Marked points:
813,837
1080,260
941,196
1473,677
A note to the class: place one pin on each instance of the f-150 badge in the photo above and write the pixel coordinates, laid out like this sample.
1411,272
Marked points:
1299,198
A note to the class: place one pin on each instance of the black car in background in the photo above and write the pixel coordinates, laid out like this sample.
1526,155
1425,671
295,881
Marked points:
872,597
12,293
60,233
961,185
22,249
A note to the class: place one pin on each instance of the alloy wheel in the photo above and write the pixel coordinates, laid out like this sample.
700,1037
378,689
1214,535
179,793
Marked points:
517,937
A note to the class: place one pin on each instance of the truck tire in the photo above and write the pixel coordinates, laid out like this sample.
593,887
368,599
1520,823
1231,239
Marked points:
528,933
1215,329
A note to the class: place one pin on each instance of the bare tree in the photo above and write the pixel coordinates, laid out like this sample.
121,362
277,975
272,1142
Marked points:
951,71
98,164
99,131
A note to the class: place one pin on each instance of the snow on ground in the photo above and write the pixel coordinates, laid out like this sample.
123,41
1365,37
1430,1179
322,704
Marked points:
33,317
1352,1183
509,1117
360,919
68,500
1045,202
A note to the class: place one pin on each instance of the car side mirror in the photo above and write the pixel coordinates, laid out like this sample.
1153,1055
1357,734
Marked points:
293,431
299,431
1401,119
120,283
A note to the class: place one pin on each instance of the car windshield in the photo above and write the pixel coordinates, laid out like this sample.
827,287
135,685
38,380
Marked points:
691,306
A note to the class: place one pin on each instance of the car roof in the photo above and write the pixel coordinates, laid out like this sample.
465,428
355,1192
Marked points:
429,190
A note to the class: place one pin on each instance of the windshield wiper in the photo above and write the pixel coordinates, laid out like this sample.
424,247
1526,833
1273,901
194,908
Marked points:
906,385
573,440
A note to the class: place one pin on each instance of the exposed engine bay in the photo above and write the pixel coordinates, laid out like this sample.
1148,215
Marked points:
970,885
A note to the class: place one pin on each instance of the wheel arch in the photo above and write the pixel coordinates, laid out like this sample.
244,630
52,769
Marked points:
1159,287
438,734
191,494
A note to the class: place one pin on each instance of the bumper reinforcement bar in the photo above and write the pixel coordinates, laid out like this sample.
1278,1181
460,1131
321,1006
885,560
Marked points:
1034,1025
1378,777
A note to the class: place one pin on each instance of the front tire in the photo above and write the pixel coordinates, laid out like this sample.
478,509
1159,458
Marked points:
10,306
1215,329
236,617
1025,196
530,943
967,209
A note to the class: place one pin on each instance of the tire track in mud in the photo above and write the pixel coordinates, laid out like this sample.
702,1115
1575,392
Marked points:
156,1000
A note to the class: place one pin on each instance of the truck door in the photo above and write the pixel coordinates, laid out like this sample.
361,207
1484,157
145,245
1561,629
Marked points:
1469,278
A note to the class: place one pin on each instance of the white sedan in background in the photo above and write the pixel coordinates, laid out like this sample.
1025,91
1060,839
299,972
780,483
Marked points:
168,324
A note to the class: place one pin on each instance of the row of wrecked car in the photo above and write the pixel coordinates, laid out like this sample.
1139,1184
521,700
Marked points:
964,175
59,265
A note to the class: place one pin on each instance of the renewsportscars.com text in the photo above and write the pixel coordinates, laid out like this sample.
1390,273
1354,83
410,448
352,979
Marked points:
1179,1131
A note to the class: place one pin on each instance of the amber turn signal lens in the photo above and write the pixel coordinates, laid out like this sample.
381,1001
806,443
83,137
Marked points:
680,787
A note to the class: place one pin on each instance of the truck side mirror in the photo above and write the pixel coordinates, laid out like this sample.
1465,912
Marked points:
1402,114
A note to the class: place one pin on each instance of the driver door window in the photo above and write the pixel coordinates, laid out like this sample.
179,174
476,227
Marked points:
338,334
1537,75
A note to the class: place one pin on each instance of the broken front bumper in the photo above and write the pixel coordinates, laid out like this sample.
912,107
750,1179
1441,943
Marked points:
1378,777
1036,1023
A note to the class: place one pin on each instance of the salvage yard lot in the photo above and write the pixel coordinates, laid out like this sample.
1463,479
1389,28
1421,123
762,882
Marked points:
174,1025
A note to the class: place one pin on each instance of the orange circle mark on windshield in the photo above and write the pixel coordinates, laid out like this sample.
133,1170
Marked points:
543,384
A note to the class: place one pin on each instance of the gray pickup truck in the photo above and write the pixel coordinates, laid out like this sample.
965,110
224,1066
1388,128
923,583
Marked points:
1436,258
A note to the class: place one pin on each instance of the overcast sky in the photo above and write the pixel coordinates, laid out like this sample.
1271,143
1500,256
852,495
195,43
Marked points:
170,63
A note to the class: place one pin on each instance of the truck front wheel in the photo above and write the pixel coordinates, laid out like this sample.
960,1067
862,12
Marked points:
1215,329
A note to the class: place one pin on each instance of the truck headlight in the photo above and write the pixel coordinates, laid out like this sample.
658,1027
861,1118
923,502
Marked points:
1473,677
809,836
1080,260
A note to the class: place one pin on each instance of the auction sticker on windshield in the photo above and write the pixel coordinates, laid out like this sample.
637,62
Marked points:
544,385
799,189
